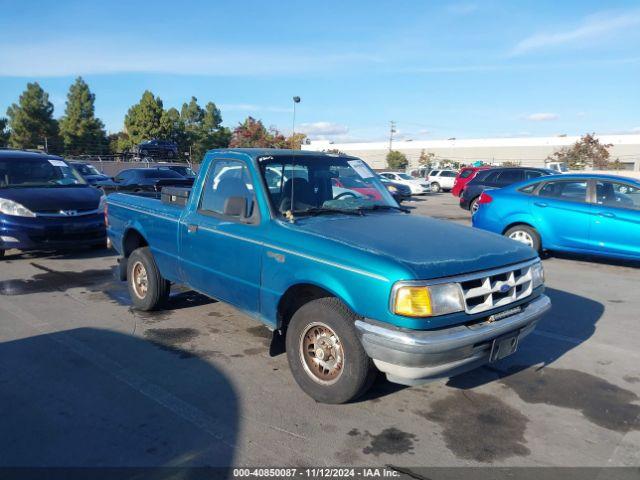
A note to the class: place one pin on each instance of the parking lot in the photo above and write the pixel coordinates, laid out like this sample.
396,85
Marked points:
87,381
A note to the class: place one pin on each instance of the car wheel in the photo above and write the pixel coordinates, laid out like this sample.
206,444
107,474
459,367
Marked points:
435,187
170,154
144,153
473,206
525,234
325,355
147,288
1,253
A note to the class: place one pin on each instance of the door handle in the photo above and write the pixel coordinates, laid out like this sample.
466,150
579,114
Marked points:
540,204
193,228
606,214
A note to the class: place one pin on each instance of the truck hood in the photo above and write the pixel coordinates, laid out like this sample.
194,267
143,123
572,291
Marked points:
428,247
55,198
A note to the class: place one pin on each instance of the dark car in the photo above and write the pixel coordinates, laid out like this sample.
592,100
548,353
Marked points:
91,174
46,204
149,179
496,178
399,191
157,148
184,170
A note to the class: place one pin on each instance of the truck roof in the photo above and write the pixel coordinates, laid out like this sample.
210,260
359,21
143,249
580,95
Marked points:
262,152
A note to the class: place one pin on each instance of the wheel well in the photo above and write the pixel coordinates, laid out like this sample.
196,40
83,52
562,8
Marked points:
132,240
516,224
295,297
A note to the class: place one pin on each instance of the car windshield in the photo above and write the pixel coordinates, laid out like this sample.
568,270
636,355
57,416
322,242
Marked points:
160,174
323,184
404,176
86,169
41,172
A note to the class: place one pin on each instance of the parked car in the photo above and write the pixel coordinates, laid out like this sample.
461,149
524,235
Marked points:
148,179
496,178
157,148
91,174
356,183
184,170
399,191
440,180
328,273
46,204
593,214
558,167
465,175
418,186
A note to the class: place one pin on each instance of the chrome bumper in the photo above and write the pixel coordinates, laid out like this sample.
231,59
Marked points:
413,357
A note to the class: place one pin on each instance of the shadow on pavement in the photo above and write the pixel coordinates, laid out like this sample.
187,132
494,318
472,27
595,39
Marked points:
614,262
571,321
97,398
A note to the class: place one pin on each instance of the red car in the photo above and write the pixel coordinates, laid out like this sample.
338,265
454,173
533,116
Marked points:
360,186
464,176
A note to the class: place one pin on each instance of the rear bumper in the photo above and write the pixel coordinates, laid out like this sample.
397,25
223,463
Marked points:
44,233
413,357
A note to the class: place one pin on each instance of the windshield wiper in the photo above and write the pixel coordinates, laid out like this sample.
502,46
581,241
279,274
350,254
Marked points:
385,207
321,210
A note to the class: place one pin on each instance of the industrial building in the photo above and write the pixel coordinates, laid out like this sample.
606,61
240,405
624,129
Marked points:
527,151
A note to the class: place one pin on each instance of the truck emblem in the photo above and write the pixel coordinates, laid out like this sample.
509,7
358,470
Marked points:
504,288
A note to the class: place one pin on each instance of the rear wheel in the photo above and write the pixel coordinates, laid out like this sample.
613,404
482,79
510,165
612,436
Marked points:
525,234
144,153
325,355
147,288
1,253
435,187
473,206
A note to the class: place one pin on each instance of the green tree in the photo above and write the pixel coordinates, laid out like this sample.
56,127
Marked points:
4,132
172,128
80,130
144,119
31,120
397,160
253,133
203,127
588,151
118,142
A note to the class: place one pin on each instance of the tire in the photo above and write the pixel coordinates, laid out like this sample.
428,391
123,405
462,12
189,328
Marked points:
473,205
435,187
170,154
1,253
147,288
525,234
144,153
342,381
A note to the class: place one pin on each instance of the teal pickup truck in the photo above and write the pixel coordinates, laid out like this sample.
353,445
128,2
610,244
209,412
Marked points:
353,282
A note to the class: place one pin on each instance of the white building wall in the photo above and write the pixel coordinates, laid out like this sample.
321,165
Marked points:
529,151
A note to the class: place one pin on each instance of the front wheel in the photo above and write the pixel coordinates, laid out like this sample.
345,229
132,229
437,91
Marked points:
435,187
525,234
147,288
474,205
324,352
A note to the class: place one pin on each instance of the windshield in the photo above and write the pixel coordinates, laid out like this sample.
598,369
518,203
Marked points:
323,184
85,169
159,174
404,176
44,172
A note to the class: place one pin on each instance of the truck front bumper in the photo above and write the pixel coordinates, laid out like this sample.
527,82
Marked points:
411,357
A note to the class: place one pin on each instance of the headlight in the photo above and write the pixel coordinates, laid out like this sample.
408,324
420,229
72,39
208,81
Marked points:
9,207
427,301
103,200
537,272
392,188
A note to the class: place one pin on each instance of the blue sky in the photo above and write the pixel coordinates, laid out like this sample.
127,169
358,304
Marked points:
439,69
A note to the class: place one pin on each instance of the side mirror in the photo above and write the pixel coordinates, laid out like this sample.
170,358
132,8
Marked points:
235,207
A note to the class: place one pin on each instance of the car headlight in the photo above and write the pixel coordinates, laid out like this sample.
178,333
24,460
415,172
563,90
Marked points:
391,188
537,272
427,301
103,200
9,207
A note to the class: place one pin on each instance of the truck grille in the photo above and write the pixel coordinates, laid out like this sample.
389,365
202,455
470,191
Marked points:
493,289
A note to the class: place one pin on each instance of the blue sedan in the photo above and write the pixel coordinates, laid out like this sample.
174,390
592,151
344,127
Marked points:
593,214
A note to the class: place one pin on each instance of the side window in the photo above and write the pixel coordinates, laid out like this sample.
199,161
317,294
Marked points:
508,177
448,174
574,191
529,188
529,174
621,195
491,177
228,182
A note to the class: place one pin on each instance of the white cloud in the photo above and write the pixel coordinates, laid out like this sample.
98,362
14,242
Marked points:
249,107
635,130
106,56
542,117
321,130
592,27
